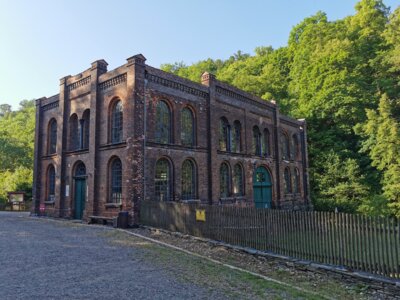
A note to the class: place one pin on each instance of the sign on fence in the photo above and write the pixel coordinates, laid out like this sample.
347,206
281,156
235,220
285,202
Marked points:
201,215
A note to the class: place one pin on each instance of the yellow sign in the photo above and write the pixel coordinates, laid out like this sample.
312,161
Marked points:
201,215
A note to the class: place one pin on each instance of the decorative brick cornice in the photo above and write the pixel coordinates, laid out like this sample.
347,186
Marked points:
50,106
112,82
176,85
78,84
240,97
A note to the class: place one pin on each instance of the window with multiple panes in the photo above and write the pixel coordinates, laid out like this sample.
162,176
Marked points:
116,181
74,135
224,181
285,146
163,123
238,180
236,137
85,129
51,183
224,135
188,180
287,181
267,142
187,127
80,170
116,122
52,137
296,182
256,141
296,147
162,180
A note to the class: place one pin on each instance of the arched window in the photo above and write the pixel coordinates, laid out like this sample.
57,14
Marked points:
73,133
187,127
51,183
238,180
236,137
162,180
296,182
116,122
224,135
188,180
267,142
85,129
256,141
163,123
285,146
287,181
52,137
296,147
224,179
80,170
116,181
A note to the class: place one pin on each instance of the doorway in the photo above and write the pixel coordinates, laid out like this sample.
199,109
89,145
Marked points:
262,188
80,190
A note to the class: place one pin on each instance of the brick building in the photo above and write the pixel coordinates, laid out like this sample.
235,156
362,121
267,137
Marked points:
111,139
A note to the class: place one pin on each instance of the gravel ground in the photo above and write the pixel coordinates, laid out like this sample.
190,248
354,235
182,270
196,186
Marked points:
47,259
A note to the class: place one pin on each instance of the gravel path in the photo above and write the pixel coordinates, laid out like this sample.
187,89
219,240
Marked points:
47,259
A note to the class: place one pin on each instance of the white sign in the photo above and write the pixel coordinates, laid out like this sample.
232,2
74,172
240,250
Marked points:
67,190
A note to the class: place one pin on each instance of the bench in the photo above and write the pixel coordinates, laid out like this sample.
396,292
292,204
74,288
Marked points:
102,220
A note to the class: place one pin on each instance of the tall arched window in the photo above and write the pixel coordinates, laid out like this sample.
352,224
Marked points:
224,181
162,180
116,122
51,183
85,129
236,137
267,142
188,180
52,137
187,127
238,189
163,123
285,146
256,141
296,182
287,181
224,135
296,147
116,181
74,135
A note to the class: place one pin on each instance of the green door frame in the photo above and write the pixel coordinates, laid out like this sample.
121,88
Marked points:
262,188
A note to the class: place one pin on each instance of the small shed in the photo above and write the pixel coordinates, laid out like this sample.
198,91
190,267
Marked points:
16,201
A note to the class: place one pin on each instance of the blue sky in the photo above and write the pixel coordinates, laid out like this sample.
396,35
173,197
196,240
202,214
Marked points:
44,40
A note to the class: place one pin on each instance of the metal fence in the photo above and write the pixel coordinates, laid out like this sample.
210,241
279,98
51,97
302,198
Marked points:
370,244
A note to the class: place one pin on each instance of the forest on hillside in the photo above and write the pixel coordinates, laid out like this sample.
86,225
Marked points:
342,76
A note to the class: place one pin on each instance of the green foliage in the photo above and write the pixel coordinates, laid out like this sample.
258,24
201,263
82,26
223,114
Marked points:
16,148
341,184
382,143
332,73
18,180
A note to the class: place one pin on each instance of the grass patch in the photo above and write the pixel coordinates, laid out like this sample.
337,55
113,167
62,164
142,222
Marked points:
216,278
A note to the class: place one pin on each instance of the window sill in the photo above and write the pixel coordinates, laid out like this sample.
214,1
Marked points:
192,201
113,205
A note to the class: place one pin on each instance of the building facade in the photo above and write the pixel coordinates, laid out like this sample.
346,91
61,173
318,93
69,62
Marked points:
112,139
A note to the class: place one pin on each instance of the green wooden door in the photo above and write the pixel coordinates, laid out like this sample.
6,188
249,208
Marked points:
262,188
80,197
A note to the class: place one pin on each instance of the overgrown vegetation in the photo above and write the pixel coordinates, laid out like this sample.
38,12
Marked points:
343,76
